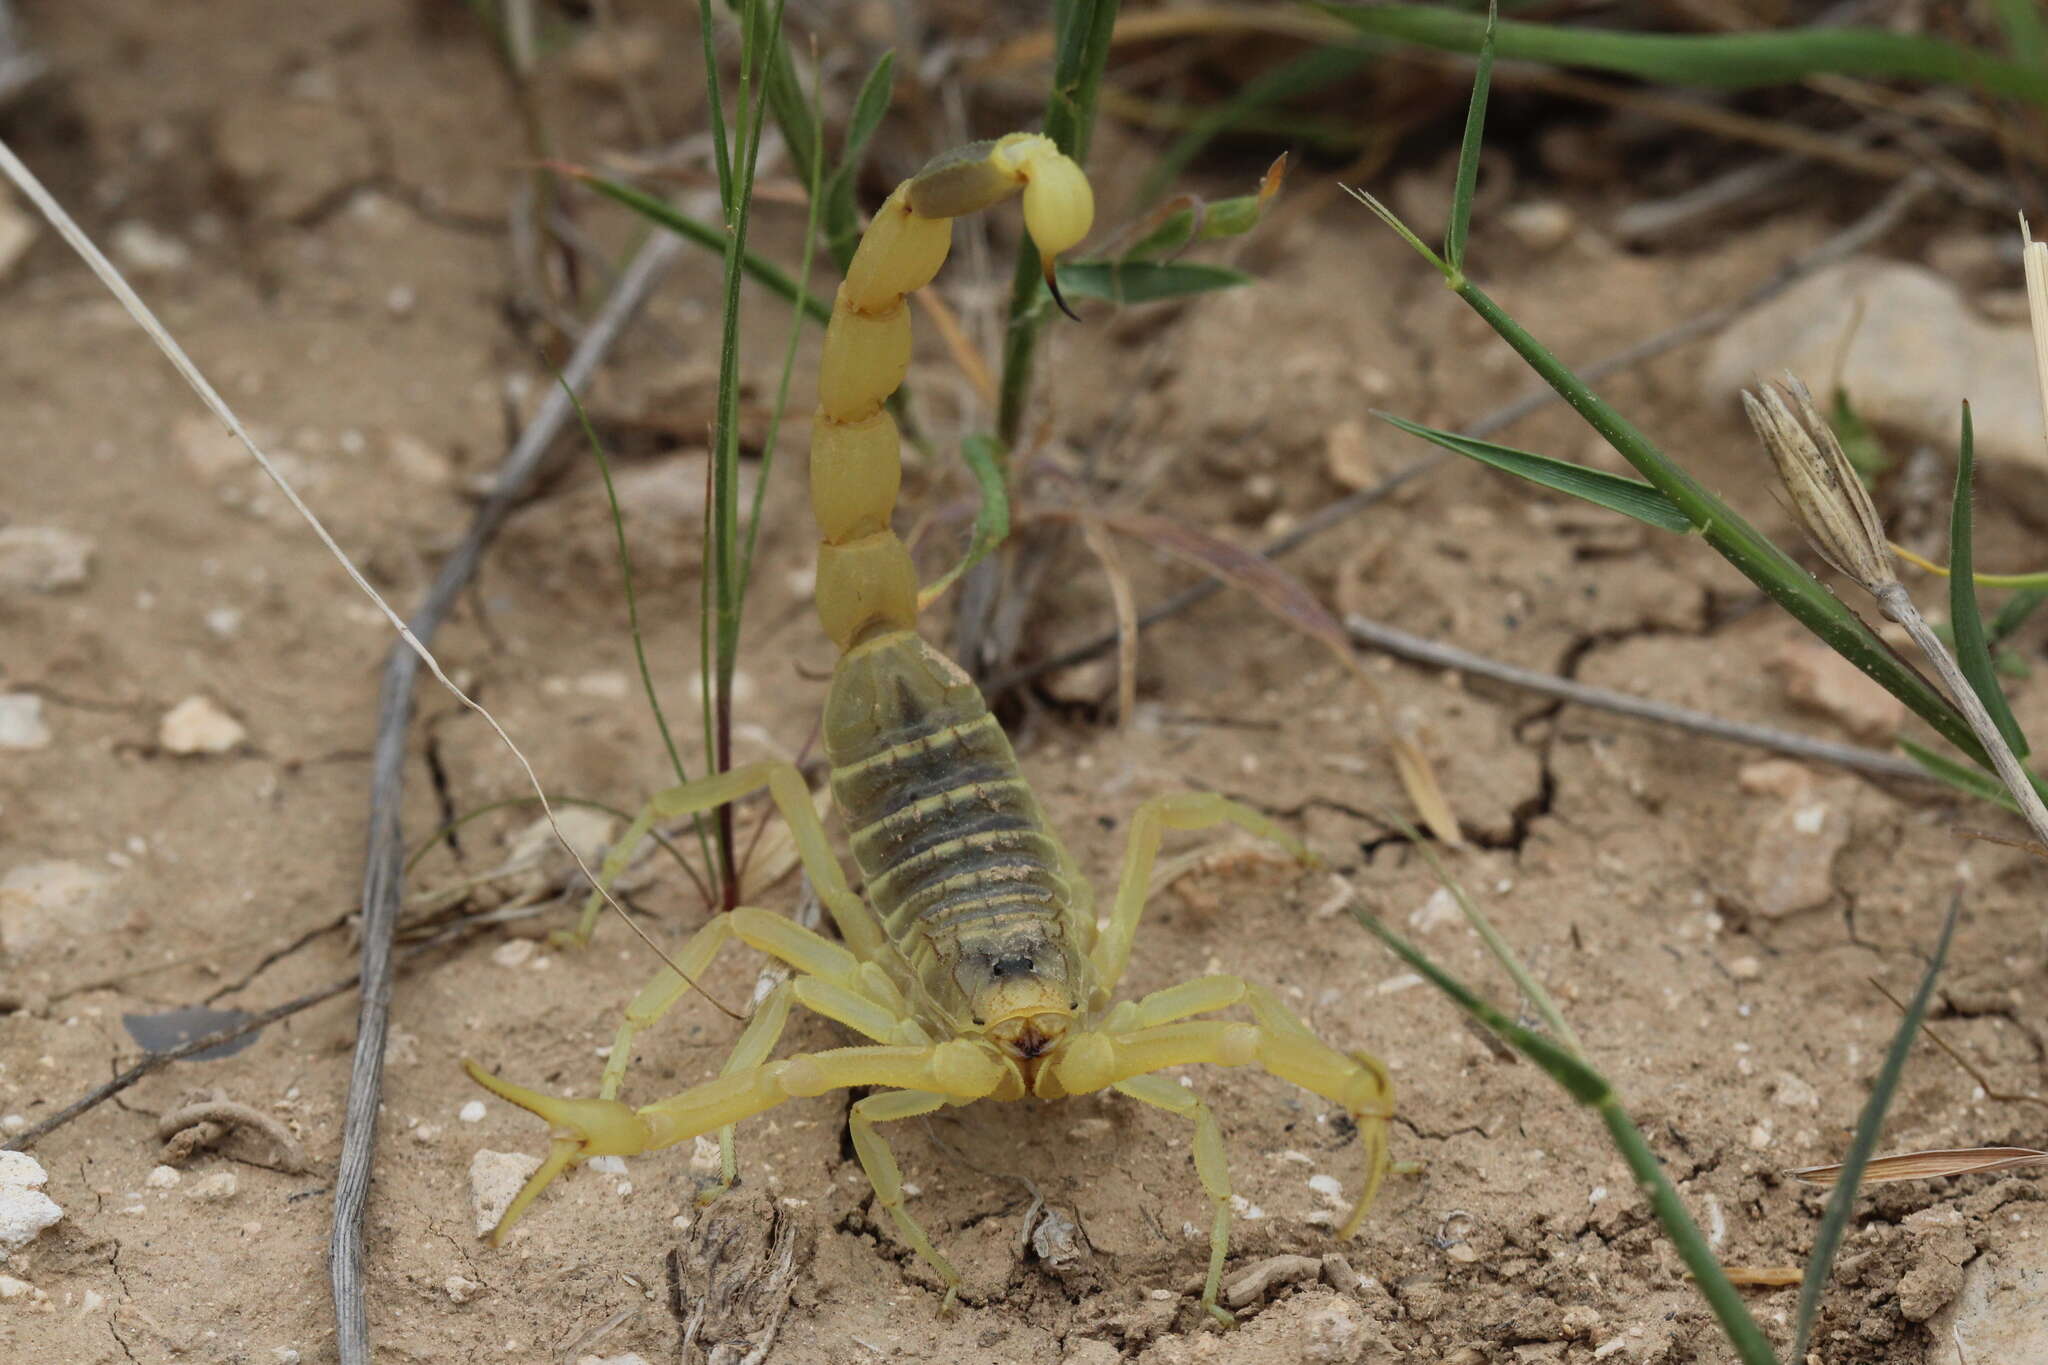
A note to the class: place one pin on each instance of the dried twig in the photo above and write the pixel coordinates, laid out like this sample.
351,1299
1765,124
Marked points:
1415,648
383,863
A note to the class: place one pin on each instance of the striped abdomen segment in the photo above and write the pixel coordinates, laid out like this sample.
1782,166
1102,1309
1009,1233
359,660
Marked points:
942,825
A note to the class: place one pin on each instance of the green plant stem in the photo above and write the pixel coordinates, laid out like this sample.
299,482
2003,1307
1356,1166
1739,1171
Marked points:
1084,30
1741,544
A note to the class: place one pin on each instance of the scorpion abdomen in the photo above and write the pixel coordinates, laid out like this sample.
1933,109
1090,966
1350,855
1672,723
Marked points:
950,839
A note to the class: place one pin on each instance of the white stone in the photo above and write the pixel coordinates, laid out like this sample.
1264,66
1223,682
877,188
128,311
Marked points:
514,952
162,1178
1540,224
145,250
1916,352
21,721
1997,1317
472,1112
459,1289
1329,1187
494,1180
43,558
24,1209
11,1288
1439,910
198,725
216,1187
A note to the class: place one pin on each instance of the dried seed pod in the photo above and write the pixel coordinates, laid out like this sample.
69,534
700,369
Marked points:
1833,506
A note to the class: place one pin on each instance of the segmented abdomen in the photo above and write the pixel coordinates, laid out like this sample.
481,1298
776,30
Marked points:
950,839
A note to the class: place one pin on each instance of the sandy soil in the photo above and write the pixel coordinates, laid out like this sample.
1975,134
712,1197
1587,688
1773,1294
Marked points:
332,190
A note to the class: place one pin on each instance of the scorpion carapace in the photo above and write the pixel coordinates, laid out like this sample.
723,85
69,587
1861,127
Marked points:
974,965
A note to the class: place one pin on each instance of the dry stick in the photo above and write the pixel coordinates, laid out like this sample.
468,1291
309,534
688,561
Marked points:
1879,220
1419,650
384,861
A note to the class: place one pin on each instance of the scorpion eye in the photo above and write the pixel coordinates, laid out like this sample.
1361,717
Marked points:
1009,966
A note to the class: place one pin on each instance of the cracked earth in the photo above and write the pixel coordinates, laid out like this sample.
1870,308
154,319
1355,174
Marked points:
338,189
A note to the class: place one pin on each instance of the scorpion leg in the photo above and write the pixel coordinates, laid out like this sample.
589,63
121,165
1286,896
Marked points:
887,1177
1210,1165
856,923
1178,810
1279,1043
957,1069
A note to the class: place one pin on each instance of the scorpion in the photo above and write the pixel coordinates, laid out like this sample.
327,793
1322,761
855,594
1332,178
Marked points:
975,965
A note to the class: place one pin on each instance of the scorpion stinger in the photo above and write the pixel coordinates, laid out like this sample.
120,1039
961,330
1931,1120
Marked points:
973,967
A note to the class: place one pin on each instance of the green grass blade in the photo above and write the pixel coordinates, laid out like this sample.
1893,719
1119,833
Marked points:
1973,649
1468,152
1964,778
1842,1203
2026,31
991,519
2015,612
1590,1088
714,100
762,271
1129,282
1630,497
1730,61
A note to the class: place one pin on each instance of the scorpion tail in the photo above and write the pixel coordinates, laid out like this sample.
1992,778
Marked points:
866,582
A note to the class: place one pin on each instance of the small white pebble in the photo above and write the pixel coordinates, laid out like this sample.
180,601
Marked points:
11,1288
473,1112
216,1188
426,1132
162,1178
1328,1186
459,1289
606,1165
14,1123
198,725
91,1301
284,1355
1245,1208
1598,1193
704,1157
494,1178
514,952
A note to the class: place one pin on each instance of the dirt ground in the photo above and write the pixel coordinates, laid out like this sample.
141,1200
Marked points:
316,203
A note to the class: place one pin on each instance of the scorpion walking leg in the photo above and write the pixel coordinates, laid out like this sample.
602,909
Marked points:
1210,1165
792,796
956,1069
1179,810
887,1177
837,986
1279,1043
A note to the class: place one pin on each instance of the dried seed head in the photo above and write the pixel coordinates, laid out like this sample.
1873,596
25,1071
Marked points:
1832,503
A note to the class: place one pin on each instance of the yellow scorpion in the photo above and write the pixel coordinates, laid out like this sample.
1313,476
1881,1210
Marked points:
975,966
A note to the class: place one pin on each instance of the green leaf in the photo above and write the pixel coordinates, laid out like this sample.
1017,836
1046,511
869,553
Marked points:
1973,650
1630,497
1468,152
760,270
1145,281
1842,1203
1730,61
1171,234
1970,781
983,455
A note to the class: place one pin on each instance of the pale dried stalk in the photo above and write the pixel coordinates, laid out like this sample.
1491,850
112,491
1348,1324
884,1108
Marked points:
1838,516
